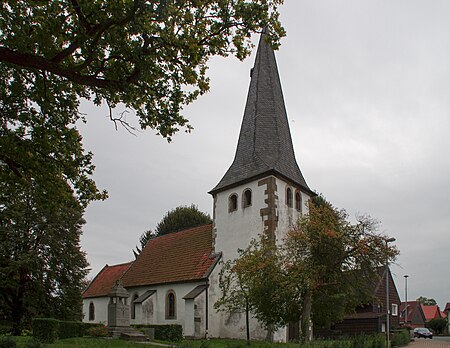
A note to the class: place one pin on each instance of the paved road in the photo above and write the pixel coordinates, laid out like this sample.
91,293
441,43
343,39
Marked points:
436,342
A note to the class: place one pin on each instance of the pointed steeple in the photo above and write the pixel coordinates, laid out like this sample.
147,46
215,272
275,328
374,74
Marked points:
265,144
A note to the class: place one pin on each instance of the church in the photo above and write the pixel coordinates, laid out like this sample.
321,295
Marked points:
174,280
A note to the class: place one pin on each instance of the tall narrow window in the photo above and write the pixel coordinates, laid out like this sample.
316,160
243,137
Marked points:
171,305
298,201
289,197
91,311
133,306
232,202
247,198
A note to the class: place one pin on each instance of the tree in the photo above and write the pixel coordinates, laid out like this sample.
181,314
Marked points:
438,325
181,218
253,283
41,264
334,261
321,270
149,55
426,301
143,240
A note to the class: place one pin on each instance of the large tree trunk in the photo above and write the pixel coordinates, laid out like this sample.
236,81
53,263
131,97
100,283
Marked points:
269,337
17,310
305,322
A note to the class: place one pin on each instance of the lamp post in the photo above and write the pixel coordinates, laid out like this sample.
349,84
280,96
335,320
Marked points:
388,240
406,299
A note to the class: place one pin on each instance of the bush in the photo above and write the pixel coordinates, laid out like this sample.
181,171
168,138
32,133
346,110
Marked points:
68,329
171,333
378,341
46,329
98,331
400,338
34,343
7,342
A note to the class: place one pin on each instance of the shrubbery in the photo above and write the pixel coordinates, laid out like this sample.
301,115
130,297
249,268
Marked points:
172,333
400,338
46,329
7,342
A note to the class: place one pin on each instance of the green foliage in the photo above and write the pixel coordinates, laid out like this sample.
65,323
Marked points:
34,343
171,333
97,331
438,325
131,52
426,301
400,338
69,329
7,342
323,269
143,240
181,218
46,329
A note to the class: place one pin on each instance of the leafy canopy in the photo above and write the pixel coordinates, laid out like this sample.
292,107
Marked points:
149,55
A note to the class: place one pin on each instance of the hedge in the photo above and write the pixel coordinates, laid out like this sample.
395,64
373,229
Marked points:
400,338
46,329
171,333
49,330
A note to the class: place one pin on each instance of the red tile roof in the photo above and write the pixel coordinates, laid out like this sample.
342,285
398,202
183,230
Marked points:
447,307
104,281
431,312
175,257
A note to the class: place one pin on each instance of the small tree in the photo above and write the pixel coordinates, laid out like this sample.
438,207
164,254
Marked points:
333,261
253,283
181,218
426,301
438,325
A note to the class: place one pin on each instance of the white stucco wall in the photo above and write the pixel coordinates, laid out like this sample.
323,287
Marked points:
233,231
100,312
153,310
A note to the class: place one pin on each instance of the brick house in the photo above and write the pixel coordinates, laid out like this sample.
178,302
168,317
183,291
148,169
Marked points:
414,317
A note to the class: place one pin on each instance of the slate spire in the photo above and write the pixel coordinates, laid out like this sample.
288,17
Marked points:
265,144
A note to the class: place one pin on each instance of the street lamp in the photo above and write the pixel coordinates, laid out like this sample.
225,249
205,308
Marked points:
406,299
388,240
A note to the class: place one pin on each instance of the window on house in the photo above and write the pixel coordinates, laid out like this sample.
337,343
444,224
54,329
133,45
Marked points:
171,305
394,309
133,306
289,197
298,201
91,311
247,198
232,203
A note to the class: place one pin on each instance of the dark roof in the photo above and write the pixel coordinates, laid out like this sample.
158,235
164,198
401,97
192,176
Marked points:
144,296
175,257
105,279
265,144
195,292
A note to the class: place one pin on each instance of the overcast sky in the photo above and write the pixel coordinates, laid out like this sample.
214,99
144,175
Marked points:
367,90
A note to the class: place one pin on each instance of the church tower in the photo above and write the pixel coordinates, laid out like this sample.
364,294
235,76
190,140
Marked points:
264,190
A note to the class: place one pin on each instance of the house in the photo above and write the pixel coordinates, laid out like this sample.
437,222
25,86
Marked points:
174,280
371,317
411,314
431,312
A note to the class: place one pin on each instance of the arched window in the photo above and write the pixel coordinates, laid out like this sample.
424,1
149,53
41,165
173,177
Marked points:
247,198
171,305
133,306
232,203
289,197
91,311
298,201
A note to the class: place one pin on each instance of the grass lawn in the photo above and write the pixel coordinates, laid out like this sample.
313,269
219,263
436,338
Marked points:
107,343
